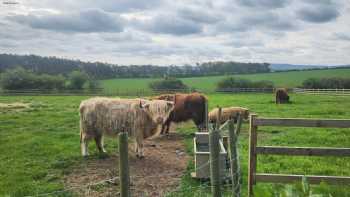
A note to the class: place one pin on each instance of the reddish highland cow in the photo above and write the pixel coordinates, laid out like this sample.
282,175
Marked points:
187,107
282,96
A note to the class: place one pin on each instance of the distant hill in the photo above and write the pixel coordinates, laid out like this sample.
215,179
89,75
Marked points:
285,67
99,70
281,67
288,79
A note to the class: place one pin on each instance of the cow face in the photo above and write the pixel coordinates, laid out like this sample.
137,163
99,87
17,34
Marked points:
158,110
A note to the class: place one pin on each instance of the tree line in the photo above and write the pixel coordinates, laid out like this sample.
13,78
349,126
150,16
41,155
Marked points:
21,79
99,70
327,83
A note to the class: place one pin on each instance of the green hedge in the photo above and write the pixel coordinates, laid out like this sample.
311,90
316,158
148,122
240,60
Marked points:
232,82
326,83
20,79
168,84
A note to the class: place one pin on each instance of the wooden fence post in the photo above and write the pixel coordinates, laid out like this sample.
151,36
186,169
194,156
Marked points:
124,165
233,154
252,154
214,158
214,146
206,116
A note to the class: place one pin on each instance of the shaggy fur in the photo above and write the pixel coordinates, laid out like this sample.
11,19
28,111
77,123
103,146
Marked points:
106,116
228,113
187,107
282,96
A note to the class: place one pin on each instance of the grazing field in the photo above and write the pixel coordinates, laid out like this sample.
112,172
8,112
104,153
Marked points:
39,142
281,79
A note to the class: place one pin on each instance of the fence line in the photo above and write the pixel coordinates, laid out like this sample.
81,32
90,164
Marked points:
254,150
246,90
113,179
148,92
337,92
235,184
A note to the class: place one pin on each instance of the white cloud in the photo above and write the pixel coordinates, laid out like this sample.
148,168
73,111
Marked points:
89,20
183,31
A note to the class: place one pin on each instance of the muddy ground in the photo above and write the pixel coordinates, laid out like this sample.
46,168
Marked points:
158,173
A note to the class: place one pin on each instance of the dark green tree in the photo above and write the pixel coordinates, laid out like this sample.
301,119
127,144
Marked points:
168,84
77,79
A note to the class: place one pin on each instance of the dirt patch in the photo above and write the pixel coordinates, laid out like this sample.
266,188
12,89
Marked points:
158,173
17,106
21,107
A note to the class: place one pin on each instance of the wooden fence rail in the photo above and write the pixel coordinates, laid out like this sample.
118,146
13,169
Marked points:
246,90
254,150
340,92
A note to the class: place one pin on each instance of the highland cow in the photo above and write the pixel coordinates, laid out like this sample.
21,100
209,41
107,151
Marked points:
282,96
228,113
187,107
106,116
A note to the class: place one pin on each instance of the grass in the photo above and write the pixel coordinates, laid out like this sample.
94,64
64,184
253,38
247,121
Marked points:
281,79
302,106
40,144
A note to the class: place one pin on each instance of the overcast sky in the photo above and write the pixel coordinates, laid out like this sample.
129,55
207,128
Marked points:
176,32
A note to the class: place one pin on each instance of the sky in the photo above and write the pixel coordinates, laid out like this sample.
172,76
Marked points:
166,32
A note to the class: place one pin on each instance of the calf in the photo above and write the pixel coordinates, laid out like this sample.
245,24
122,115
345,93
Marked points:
228,113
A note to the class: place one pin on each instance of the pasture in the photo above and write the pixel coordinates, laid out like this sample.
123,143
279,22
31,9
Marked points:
208,84
39,142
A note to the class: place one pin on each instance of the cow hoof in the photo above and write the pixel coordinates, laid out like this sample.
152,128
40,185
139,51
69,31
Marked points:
140,156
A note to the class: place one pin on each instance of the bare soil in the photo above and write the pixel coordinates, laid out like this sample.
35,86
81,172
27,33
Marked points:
158,173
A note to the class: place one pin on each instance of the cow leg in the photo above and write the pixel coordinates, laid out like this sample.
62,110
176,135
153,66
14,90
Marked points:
139,145
136,148
84,145
99,144
162,130
167,128
199,124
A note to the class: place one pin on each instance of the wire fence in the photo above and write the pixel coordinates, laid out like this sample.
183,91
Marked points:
92,92
203,189
114,181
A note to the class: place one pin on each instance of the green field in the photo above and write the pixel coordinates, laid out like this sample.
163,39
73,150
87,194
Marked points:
40,144
281,79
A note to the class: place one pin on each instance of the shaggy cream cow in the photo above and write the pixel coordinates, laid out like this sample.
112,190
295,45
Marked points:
228,113
106,116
